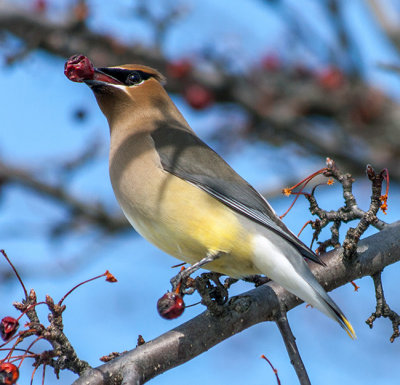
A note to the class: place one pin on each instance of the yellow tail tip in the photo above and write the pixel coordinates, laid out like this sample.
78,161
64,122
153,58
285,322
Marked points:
349,329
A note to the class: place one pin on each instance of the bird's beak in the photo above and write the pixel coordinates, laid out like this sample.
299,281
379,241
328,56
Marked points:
80,69
100,77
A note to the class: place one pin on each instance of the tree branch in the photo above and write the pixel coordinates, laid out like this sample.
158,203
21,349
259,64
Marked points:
388,25
93,213
258,305
291,347
382,308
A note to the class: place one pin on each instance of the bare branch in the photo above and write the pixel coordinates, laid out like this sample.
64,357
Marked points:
369,217
348,50
161,25
388,25
349,211
291,347
382,308
92,213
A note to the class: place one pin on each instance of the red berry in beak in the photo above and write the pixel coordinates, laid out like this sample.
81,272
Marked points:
170,305
79,68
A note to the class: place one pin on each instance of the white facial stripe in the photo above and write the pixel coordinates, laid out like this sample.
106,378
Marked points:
119,86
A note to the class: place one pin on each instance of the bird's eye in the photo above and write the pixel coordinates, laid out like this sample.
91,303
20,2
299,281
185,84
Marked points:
134,78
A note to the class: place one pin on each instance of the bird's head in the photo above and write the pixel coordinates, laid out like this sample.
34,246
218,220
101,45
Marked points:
131,88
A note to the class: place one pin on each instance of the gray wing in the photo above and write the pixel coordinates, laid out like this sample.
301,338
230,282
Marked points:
185,155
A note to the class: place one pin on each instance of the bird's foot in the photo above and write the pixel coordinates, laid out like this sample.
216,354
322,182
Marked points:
183,275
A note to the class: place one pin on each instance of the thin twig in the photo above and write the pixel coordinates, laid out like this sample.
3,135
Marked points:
16,272
382,308
278,381
349,211
291,347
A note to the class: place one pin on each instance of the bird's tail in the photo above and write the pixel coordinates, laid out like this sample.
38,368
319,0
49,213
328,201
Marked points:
310,291
286,266
327,306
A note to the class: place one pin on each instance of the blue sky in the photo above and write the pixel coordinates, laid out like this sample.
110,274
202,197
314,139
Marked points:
38,129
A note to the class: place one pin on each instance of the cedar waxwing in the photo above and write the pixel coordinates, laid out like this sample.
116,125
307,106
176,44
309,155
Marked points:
183,197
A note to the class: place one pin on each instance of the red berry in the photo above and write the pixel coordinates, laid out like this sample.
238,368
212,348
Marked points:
79,68
40,6
170,305
331,78
179,69
198,97
271,63
9,373
8,327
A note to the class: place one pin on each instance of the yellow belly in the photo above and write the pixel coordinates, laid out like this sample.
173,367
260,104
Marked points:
188,223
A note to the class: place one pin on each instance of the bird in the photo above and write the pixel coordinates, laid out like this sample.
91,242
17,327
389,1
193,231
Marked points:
183,197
